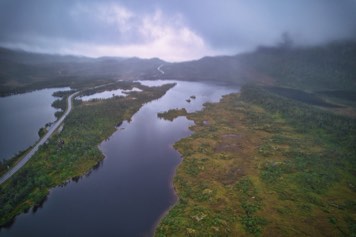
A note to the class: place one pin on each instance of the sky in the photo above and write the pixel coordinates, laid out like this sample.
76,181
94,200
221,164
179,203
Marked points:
173,30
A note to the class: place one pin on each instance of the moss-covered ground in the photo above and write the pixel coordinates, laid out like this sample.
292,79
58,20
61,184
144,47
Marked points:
259,164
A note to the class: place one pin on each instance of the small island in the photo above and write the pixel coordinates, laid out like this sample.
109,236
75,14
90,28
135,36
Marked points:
172,114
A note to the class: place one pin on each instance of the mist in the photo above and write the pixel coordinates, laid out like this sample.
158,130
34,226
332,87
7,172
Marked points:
174,30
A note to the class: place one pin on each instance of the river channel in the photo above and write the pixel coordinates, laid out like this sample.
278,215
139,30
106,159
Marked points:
132,188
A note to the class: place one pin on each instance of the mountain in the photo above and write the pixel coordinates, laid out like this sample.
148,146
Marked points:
331,66
23,71
319,68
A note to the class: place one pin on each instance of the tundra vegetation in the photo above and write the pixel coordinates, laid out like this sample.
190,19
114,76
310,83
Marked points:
172,114
262,164
73,152
278,159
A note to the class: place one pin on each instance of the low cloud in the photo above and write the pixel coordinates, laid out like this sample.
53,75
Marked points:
125,34
172,30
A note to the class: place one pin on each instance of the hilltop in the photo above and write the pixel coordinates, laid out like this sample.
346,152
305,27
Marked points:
22,71
326,67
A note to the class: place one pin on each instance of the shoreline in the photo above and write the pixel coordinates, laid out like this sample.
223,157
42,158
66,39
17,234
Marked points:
37,145
63,153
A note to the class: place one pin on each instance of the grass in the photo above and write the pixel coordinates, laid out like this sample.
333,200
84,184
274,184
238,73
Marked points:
72,152
60,103
259,164
172,114
6,164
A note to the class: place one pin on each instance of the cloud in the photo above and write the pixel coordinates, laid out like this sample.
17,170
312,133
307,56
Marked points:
166,37
174,30
242,25
109,23
123,33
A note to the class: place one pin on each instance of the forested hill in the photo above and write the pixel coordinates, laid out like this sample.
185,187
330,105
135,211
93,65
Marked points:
327,67
22,71
331,66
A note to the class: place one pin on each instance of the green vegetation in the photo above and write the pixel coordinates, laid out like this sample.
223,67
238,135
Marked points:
58,104
42,132
8,163
264,162
23,71
172,114
61,103
327,67
302,96
259,164
72,152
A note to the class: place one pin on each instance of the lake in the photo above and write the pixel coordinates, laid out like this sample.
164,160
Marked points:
21,117
132,188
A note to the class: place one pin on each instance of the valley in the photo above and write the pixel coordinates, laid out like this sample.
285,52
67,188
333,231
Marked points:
257,144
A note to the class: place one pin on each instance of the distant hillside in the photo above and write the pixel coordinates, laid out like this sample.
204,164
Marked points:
331,66
22,71
328,67
223,68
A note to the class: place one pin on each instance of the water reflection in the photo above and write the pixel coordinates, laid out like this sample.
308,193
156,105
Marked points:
108,94
21,116
132,188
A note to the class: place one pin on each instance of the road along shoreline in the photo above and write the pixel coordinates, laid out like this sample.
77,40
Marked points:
29,155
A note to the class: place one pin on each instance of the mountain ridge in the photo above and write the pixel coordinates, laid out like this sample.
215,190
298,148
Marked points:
325,67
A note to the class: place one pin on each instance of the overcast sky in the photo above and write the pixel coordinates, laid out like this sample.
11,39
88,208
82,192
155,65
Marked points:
173,30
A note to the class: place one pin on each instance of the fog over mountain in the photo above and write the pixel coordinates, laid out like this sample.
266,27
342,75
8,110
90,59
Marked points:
172,30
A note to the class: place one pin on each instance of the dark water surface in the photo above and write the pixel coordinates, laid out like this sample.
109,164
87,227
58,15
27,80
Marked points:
131,190
21,116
